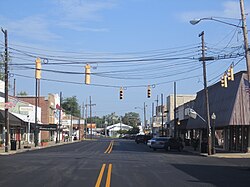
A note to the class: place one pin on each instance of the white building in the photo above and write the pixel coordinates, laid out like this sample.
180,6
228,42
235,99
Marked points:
114,129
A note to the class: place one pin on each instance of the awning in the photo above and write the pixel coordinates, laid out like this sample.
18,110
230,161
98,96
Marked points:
14,121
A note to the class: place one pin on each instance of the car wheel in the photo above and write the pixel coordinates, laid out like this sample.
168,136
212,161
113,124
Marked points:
154,149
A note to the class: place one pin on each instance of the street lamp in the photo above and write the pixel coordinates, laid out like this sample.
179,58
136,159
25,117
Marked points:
144,113
213,117
196,21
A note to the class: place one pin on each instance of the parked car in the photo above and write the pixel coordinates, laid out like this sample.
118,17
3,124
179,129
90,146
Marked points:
167,143
174,143
142,138
159,143
150,142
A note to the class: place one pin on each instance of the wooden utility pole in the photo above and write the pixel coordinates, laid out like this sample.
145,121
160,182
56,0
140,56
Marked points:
6,79
209,138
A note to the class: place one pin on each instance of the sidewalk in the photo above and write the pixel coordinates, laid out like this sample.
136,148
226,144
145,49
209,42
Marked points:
219,153
29,147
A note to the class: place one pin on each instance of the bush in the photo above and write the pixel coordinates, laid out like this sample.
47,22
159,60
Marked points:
45,140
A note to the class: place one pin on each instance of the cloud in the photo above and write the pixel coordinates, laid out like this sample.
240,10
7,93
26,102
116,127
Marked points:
76,13
35,27
84,10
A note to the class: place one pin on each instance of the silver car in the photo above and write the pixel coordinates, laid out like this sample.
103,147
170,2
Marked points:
159,143
150,142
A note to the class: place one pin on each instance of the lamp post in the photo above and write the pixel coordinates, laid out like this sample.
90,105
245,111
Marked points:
213,117
144,113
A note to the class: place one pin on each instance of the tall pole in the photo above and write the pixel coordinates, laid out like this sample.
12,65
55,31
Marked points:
79,124
35,131
245,35
144,114
162,115
209,138
60,115
6,79
90,113
86,119
175,125
152,122
83,125
14,88
247,56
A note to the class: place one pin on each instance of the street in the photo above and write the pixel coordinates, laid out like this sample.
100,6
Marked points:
118,163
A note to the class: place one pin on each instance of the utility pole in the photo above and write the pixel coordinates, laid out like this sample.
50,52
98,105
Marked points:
90,113
175,124
209,138
152,122
60,115
162,115
14,88
6,79
144,112
83,108
247,56
86,119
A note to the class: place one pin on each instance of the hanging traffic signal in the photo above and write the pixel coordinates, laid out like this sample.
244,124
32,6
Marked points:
230,73
38,68
87,74
121,93
149,91
224,81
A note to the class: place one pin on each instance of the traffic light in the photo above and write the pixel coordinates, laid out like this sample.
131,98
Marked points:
149,91
230,73
121,93
224,81
87,74
38,68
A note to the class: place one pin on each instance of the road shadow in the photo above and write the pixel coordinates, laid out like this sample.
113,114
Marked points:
216,175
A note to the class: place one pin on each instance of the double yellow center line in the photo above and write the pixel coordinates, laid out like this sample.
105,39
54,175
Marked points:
108,180
110,147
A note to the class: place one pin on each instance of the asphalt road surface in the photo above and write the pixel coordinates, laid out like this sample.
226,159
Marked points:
118,163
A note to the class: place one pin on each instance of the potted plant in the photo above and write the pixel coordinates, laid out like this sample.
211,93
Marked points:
44,142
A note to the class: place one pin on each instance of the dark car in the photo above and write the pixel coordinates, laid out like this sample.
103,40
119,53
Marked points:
142,138
174,143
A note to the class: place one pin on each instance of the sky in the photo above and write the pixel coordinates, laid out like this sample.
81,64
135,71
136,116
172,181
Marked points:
128,43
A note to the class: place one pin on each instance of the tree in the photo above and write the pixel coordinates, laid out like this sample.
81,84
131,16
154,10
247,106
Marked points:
70,105
111,118
22,93
97,120
131,119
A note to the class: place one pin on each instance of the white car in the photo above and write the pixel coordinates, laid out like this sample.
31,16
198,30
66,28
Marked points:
149,143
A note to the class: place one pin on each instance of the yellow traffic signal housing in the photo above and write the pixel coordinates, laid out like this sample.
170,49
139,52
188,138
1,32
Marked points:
224,81
87,74
121,93
38,68
230,73
149,92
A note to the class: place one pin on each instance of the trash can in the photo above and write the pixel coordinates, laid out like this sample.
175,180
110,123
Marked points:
12,144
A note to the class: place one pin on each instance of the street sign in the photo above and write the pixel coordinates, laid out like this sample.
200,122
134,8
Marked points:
50,127
26,108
